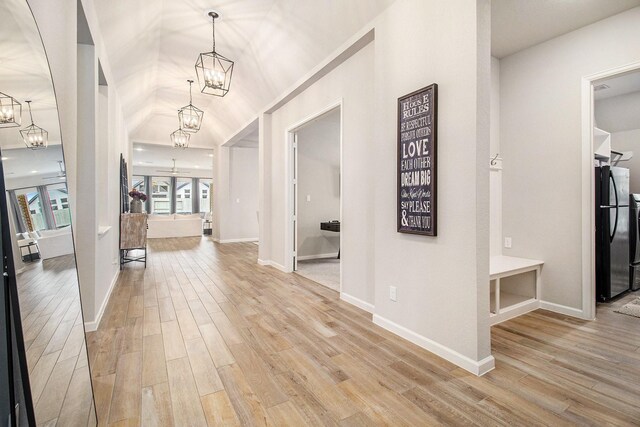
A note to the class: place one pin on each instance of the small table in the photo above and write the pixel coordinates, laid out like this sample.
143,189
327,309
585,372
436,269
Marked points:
505,305
207,228
331,226
31,256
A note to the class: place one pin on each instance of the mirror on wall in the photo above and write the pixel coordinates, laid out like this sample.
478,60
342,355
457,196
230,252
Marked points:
38,210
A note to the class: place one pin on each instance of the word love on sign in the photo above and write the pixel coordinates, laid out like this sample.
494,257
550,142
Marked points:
417,143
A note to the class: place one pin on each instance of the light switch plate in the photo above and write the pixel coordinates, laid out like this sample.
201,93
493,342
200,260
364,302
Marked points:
393,293
507,242
308,197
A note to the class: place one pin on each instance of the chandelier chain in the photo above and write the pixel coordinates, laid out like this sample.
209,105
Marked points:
213,33
30,115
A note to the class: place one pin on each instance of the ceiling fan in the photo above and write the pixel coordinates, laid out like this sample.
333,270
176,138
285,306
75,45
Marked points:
60,175
173,171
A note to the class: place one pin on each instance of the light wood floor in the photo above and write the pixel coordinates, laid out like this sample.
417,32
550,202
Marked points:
54,340
206,336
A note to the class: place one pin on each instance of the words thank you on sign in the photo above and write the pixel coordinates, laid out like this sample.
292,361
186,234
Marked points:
417,143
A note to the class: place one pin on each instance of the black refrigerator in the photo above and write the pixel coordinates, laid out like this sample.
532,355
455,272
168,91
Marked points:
612,231
634,242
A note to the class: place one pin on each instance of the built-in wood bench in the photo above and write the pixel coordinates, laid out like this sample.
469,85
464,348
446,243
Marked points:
508,302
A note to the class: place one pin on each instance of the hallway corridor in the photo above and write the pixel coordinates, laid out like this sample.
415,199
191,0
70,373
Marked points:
206,336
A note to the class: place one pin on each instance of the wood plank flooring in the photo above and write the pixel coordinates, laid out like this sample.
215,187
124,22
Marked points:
55,343
205,336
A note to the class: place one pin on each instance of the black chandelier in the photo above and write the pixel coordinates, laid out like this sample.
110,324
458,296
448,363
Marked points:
190,117
180,139
10,111
34,136
214,70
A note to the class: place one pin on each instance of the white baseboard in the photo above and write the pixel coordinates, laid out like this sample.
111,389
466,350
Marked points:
563,309
245,239
320,256
215,239
480,367
274,265
357,302
93,326
20,270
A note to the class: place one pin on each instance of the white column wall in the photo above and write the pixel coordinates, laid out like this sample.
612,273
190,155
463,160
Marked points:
442,282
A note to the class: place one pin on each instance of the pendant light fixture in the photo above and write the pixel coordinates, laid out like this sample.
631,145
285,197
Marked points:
214,70
34,136
10,111
190,117
180,139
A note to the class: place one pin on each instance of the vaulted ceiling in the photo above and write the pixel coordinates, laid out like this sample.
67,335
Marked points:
153,45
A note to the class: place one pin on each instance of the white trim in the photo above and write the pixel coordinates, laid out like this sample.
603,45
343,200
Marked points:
216,239
563,309
357,302
274,265
318,256
588,192
290,163
244,239
94,325
21,270
479,367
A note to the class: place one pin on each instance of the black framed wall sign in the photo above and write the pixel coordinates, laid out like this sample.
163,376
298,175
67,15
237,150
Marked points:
417,161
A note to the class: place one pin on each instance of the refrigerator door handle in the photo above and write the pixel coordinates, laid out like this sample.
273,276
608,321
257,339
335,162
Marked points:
615,192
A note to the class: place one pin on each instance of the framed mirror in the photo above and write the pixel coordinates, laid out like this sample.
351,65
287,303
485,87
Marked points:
50,344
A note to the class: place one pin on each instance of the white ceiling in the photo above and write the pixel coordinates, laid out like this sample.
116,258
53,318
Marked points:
620,85
153,45
23,162
519,24
24,72
152,157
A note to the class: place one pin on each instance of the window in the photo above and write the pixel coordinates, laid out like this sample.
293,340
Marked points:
138,184
183,196
161,195
59,197
205,195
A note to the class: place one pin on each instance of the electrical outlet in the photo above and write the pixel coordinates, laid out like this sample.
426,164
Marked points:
237,200
507,242
308,197
393,293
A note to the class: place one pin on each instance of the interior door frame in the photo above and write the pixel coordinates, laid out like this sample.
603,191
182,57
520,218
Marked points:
588,185
291,160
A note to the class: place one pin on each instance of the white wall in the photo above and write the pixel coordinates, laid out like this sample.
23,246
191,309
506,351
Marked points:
618,113
235,194
97,254
351,82
495,179
541,137
442,282
242,211
318,186
629,141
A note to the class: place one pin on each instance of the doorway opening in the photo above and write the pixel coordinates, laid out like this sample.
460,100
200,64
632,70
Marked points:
611,101
316,197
